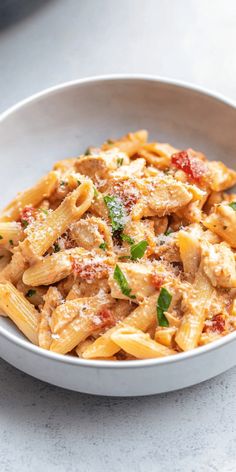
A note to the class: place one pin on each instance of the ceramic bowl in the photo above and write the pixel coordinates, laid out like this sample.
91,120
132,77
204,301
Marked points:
62,122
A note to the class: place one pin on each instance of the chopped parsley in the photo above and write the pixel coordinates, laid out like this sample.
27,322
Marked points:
63,183
96,193
233,205
78,182
56,247
127,238
120,161
1,237
120,278
137,250
103,246
87,152
116,211
168,231
30,293
163,303
11,242
44,211
24,223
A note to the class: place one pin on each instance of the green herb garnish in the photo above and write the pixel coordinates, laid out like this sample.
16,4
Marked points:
63,183
24,223
1,237
137,250
11,242
116,211
78,182
120,278
87,152
96,193
127,238
30,293
168,231
120,161
103,246
44,211
56,247
163,303
233,205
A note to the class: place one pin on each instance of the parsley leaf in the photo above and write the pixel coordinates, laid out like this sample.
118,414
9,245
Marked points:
30,293
87,152
119,161
78,182
120,278
44,211
168,231
103,246
11,242
127,238
116,211
233,205
137,250
56,247
95,192
1,237
24,223
163,303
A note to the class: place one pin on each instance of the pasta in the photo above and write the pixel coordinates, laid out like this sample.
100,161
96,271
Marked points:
126,252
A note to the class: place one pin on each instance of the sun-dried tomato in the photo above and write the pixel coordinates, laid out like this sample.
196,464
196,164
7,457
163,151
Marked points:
89,271
27,216
107,318
216,324
191,165
157,280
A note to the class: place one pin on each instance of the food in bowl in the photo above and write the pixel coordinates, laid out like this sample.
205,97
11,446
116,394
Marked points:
126,252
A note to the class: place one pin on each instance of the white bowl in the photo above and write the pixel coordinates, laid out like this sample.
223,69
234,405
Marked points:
62,122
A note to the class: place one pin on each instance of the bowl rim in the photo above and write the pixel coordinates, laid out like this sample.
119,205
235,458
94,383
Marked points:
66,359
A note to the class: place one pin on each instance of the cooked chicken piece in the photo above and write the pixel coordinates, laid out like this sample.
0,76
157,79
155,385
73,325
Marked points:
161,196
221,177
139,279
218,263
223,223
135,168
98,166
91,233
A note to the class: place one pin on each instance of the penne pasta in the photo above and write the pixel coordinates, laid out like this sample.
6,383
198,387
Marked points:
20,310
41,236
32,196
190,331
139,344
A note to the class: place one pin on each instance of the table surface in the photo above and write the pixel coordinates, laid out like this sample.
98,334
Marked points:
45,42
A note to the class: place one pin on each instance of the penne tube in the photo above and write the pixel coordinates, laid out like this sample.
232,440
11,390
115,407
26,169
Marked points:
52,268
10,233
191,327
32,196
52,299
141,318
42,235
20,310
139,344
74,321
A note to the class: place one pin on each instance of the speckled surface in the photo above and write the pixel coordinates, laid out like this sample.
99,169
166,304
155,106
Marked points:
44,428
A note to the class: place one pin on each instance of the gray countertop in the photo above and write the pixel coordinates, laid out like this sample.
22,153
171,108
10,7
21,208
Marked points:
43,43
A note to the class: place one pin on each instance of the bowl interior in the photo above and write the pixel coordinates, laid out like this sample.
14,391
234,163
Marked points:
63,122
